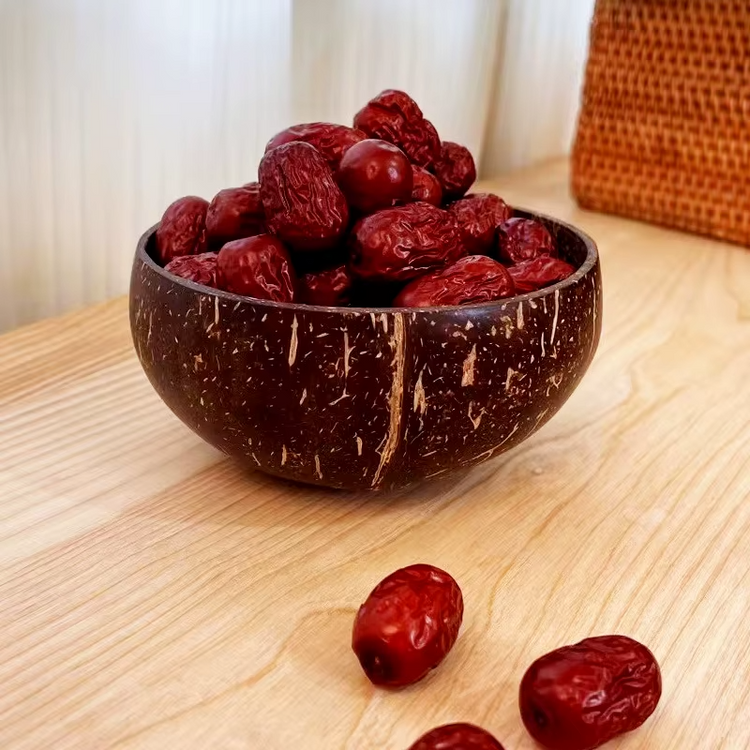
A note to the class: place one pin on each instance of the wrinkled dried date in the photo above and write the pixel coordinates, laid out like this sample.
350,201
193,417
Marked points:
425,186
258,267
395,117
523,239
407,625
460,736
455,169
479,215
332,287
530,275
182,230
399,244
332,140
198,268
579,697
332,196
303,204
235,213
374,174
473,279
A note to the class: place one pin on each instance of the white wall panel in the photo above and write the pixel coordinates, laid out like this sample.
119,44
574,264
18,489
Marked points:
537,94
108,111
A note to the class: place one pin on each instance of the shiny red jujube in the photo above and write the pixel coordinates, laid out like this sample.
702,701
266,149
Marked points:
470,280
332,140
425,186
258,267
395,117
523,239
479,215
374,174
455,169
579,697
304,206
399,244
458,736
407,625
198,268
182,230
235,213
530,275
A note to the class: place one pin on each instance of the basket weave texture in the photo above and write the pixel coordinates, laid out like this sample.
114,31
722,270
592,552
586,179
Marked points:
664,130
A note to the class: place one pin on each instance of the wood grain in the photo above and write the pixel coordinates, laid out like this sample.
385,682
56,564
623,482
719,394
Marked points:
154,595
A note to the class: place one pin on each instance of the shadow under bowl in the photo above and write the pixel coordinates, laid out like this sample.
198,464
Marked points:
365,398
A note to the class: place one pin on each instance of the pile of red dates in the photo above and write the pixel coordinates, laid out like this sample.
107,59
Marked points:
573,698
371,215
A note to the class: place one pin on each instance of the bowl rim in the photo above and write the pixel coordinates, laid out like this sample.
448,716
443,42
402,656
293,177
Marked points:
592,255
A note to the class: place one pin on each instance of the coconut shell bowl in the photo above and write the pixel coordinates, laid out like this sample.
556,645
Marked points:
365,398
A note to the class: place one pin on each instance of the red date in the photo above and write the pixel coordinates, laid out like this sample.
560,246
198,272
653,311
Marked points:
198,268
332,287
425,186
303,204
399,244
479,215
523,239
407,625
395,117
235,213
332,140
579,697
459,736
374,174
182,230
473,279
258,267
530,275
455,169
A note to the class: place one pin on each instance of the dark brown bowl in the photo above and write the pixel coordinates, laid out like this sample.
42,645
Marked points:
365,398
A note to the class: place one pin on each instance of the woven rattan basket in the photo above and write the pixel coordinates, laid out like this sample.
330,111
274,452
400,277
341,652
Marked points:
664,130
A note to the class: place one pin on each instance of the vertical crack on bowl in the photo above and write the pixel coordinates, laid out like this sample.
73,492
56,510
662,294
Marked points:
397,343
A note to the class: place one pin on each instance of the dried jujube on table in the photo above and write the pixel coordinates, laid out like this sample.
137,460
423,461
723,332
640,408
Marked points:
258,267
523,239
332,140
198,268
374,174
530,275
459,736
303,205
235,213
182,230
579,697
470,280
399,244
407,625
395,117
425,186
479,215
455,169
331,287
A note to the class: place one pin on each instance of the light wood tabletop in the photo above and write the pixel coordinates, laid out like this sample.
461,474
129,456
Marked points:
155,595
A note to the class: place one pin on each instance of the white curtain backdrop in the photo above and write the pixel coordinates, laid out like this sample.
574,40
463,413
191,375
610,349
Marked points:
110,109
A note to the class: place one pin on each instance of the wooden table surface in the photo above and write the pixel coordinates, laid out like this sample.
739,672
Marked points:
154,595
